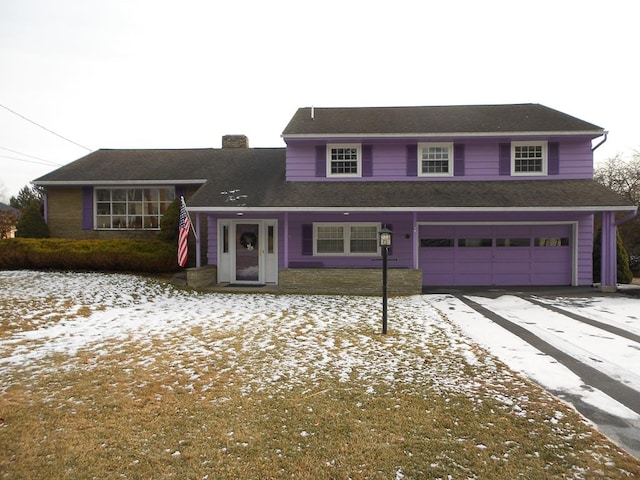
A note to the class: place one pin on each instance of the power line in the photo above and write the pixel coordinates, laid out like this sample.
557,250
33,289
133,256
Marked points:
31,161
48,162
44,128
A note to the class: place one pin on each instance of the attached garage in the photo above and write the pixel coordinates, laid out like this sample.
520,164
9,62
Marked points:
509,254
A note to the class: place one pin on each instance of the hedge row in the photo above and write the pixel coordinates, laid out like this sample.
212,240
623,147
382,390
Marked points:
101,255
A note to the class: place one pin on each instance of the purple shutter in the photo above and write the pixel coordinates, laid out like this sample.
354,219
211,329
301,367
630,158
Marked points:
458,159
87,208
553,165
504,159
321,160
367,160
412,160
307,239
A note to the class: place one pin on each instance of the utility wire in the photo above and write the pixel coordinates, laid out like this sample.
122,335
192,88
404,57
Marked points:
44,128
31,161
49,162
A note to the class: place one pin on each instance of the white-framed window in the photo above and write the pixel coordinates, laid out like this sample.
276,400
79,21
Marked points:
131,208
528,158
435,159
338,239
344,160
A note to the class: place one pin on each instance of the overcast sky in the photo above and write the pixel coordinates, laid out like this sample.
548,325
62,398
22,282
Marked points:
160,74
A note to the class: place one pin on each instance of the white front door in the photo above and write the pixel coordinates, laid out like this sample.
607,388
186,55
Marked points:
248,258
247,251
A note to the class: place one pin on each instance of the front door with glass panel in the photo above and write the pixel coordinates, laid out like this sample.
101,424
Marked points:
247,253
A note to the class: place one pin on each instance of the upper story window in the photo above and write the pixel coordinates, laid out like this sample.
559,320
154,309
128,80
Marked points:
344,160
131,208
528,158
345,239
435,159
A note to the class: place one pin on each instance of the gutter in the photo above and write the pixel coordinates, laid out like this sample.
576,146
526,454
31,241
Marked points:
606,132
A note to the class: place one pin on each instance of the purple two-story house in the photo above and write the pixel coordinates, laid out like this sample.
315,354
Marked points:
474,195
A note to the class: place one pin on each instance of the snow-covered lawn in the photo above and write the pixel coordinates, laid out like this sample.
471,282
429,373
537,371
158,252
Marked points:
266,346
325,335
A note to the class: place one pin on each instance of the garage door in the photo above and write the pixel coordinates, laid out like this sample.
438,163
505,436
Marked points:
496,254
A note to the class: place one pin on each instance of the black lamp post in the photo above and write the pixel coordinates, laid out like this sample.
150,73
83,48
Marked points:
385,243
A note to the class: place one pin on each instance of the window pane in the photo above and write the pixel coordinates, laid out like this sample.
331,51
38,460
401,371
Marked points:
474,242
436,242
344,160
135,208
512,242
330,239
103,195
528,158
364,239
552,242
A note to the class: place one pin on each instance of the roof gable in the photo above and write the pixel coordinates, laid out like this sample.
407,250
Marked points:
460,119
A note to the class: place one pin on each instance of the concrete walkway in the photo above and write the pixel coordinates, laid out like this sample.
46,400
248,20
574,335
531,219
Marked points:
624,432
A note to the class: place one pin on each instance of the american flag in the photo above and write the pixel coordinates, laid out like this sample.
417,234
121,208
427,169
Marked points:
183,234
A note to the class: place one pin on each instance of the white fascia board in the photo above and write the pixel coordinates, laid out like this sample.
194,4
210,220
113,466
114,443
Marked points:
119,182
620,208
302,136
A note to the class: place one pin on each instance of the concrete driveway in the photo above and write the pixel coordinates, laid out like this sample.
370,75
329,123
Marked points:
623,431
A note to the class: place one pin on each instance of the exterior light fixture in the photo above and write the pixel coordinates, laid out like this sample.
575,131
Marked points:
385,242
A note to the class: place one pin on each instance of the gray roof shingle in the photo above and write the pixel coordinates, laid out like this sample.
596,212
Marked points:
461,119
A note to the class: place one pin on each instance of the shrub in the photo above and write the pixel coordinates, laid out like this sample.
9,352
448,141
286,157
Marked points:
169,223
622,259
95,255
31,223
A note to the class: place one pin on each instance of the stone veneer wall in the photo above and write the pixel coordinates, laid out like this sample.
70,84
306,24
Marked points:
349,281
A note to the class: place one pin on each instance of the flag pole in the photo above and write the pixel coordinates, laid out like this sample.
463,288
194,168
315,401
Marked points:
189,216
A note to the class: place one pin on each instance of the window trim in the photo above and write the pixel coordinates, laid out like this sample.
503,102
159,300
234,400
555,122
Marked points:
449,172
346,239
545,157
357,146
142,214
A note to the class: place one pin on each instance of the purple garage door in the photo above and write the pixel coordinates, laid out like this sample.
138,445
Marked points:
496,254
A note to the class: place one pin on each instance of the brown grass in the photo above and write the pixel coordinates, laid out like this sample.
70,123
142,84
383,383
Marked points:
115,422
154,410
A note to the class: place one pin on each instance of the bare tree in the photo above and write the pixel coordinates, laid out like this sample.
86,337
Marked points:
621,176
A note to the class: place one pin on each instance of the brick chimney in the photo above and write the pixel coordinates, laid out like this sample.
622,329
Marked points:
235,141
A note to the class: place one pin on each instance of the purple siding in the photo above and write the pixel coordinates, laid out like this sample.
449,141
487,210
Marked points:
482,159
446,266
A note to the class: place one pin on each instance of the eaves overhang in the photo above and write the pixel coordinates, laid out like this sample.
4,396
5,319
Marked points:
46,183
342,209
560,133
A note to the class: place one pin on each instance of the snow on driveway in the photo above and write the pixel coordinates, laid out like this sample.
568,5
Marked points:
615,356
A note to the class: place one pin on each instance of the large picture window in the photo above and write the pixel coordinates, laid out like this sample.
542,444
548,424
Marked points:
529,158
131,208
435,159
344,160
345,238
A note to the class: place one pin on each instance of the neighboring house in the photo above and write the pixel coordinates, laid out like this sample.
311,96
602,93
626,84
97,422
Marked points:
474,195
8,220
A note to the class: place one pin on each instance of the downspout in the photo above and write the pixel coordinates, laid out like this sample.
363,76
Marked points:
605,133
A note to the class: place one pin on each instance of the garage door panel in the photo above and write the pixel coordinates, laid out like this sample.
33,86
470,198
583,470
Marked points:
517,255
511,268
